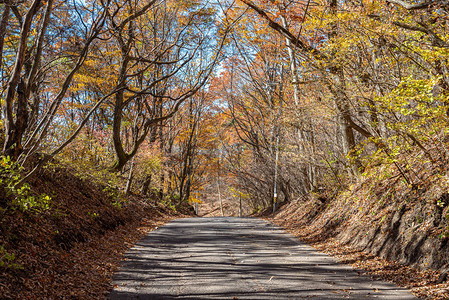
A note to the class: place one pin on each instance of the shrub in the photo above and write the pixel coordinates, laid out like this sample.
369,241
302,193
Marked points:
15,196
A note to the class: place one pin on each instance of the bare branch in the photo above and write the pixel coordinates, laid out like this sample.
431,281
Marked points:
282,30
411,6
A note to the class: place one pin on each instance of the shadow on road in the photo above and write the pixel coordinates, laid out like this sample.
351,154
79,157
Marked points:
234,258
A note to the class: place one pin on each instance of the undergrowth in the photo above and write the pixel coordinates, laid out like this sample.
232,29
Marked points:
16,196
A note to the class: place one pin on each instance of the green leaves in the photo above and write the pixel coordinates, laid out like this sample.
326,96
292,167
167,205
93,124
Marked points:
20,197
7,260
25,201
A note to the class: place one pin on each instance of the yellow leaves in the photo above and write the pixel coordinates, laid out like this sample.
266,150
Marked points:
432,54
194,198
239,194
372,7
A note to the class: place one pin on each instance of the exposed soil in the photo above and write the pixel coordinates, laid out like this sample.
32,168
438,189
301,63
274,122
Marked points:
72,249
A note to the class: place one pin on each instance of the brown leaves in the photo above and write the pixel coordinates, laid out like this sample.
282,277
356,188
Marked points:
83,272
80,263
423,283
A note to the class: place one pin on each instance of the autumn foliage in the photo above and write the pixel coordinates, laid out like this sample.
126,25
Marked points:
261,101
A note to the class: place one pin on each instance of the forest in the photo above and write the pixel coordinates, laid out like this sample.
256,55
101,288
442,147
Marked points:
260,103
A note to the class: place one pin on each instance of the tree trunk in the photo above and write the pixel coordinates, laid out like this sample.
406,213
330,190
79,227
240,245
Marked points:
130,178
121,157
146,185
293,66
219,196
309,171
3,24
218,188
14,130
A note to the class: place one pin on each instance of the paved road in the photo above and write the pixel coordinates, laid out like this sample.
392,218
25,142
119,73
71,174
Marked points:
232,258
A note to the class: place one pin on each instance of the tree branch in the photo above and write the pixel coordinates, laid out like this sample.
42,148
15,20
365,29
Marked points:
411,6
282,30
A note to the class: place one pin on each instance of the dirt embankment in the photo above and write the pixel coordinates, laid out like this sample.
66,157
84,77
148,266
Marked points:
72,249
407,226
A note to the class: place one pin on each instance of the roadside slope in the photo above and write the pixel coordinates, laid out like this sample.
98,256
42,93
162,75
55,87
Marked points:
381,218
72,249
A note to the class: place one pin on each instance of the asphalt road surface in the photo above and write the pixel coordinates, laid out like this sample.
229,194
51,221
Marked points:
237,258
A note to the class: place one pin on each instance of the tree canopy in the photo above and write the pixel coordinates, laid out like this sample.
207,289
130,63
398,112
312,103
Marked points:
270,99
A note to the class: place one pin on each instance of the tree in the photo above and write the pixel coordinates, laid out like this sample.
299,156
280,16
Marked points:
29,69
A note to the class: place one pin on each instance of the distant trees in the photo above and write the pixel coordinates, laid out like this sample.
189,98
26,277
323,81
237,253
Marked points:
363,85
312,95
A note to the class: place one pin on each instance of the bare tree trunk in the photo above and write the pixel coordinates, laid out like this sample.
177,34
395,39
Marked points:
218,188
164,152
146,185
240,205
219,196
309,171
13,130
293,66
118,114
3,25
130,178
346,123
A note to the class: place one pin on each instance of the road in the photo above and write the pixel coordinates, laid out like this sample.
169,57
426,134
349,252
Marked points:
237,258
